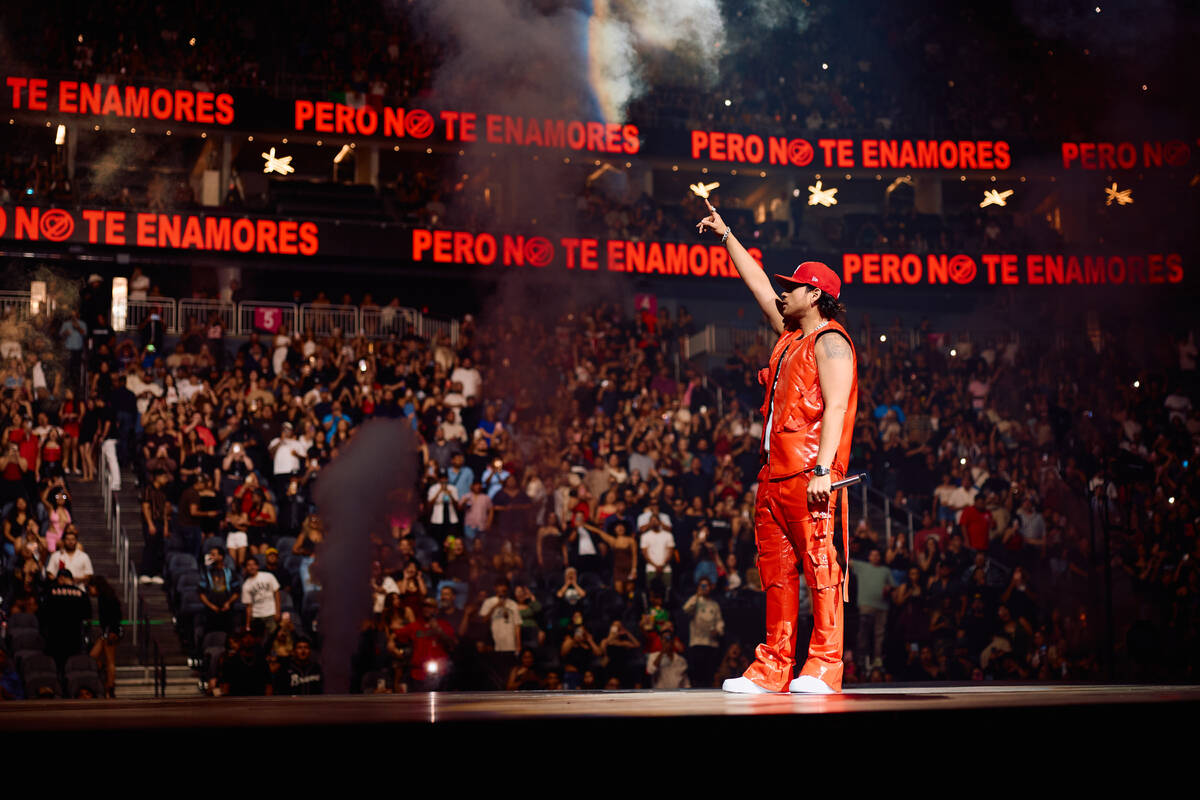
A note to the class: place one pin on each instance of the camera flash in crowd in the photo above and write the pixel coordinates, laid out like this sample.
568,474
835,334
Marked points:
883,337
60,135
1137,384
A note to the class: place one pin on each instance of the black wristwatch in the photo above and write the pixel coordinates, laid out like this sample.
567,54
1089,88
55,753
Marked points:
820,471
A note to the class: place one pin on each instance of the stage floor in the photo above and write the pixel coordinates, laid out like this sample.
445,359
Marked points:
561,708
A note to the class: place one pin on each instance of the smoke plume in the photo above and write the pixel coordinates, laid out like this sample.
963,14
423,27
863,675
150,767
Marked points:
577,58
356,494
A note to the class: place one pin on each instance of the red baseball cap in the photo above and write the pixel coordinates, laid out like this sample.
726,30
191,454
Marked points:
814,273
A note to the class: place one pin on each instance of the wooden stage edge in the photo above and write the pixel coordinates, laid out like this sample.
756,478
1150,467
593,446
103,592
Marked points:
564,708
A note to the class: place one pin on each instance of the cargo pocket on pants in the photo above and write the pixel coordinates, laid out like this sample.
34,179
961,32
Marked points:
822,571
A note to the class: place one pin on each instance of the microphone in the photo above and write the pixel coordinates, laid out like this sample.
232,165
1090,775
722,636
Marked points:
860,477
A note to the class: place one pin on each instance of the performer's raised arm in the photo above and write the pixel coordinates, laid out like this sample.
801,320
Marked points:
747,267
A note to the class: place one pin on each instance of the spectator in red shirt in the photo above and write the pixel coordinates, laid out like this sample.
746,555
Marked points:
976,521
931,529
432,639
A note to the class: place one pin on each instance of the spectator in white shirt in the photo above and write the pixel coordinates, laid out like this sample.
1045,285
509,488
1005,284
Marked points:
1178,405
666,668
381,586
38,376
658,548
443,503
468,378
70,556
962,496
139,285
644,519
288,454
1033,524
143,387
188,386
453,428
454,398
505,617
260,594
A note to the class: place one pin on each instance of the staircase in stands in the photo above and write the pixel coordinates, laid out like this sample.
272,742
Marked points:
134,678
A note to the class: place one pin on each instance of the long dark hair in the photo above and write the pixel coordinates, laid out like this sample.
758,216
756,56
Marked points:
104,588
827,305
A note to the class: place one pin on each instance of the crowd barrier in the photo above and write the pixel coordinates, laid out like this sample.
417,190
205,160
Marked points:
264,316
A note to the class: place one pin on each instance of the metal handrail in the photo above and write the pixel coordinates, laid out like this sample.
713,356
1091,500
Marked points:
143,623
160,671
287,320
368,321
325,318
126,571
197,310
138,309
867,494
149,655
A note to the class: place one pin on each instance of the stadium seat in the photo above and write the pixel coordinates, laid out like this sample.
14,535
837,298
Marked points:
292,562
34,685
37,664
182,583
83,681
189,614
20,656
190,603
284,545
22,622
26,639
177,561
312,605
79,664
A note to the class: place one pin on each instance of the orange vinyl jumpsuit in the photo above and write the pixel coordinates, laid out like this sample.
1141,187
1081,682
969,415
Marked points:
788,529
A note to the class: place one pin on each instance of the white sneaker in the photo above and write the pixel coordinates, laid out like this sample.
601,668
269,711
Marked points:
807,684
157,579
144,579
743,685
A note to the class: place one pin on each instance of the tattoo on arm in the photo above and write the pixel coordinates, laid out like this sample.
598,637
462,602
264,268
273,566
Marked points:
835,346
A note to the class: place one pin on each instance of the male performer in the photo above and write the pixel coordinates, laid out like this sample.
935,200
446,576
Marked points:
811,397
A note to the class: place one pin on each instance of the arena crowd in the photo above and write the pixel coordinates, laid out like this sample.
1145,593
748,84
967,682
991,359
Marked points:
585,498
